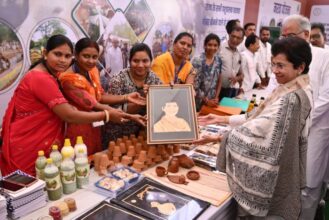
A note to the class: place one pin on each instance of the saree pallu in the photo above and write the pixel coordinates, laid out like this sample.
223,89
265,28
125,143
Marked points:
164,67
84,95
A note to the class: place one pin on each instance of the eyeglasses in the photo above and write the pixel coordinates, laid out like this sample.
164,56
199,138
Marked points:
290,34
278,66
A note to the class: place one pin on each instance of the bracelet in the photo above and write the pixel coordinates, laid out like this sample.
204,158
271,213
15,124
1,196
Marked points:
107,116
125,98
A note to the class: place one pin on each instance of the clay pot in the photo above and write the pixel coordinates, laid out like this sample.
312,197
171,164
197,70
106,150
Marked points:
160,171
104,164
119,140
152,152
116,160
126,160
123,148
138,148
173,165
135,141
158,159
176,148
138,165
170,149
97,159
193,175
131,151
142,156
165,156
117,151
125,138
129,142
185,161
178,179
132,136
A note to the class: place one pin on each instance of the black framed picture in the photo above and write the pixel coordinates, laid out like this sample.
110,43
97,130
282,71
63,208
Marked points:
171,114
106,210
155,201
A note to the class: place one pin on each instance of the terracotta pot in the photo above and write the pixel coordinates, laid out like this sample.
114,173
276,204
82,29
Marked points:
126,160
131,151
132,136
123,148
193,175
160,171
138,148
170,149
97,159
125,138
178,179
142,156
117,151
176,148
119,140
173,165
185,161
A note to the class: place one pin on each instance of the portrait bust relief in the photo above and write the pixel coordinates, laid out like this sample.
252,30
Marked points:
170,122
171,114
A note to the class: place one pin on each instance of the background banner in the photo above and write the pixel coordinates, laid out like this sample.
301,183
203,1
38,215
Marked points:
272,13
26,25
319,13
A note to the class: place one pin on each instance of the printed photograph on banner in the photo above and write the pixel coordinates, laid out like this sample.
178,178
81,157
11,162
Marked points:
21,9
140,18
117,40
43,31
163,39
92,16
11,56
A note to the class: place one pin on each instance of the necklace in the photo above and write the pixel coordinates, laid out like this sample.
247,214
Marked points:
44,63
135,82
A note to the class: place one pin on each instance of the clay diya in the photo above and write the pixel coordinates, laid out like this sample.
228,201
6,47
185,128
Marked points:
173,165
160,171
193,175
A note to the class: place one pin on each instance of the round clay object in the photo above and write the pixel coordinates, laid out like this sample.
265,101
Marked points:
160,171
193,175
71,204
173,165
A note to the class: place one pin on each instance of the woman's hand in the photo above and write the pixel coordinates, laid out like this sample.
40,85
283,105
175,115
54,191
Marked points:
136,98
212,102
205,139
137,118
212,119
117,116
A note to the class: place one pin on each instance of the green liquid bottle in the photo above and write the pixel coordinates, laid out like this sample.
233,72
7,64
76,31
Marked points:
40,165
82,169
56,156
53,181
68,174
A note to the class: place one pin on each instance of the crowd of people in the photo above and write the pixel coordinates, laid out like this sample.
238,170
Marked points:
275,157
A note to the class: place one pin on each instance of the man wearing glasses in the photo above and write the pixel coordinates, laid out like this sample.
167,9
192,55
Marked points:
318,36
317,161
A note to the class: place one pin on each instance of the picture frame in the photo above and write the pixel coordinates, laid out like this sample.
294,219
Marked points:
171,114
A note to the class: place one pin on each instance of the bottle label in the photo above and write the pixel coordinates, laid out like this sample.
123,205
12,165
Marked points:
68,176
53,183
40,174
82,171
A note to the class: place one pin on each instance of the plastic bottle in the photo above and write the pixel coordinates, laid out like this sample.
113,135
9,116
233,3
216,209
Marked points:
56,156
53,181
80,145
40,165
251,106
82,169
68,148
68,176
262,99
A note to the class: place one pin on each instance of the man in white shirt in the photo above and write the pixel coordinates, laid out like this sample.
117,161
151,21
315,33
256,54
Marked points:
317,165
250,64
318,36
249,28
113,57
265,51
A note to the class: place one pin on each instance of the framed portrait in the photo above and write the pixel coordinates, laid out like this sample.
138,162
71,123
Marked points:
171,114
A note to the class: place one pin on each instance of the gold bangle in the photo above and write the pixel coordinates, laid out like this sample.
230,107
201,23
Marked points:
107,116
125,98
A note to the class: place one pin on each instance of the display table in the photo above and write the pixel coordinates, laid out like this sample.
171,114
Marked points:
87,198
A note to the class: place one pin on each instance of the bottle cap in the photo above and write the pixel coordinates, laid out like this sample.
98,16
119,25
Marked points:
79,140
67,142
54,147
41,153
49,161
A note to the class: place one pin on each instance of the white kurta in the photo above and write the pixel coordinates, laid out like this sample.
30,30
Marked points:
317,167
249,68
113,59
265,57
